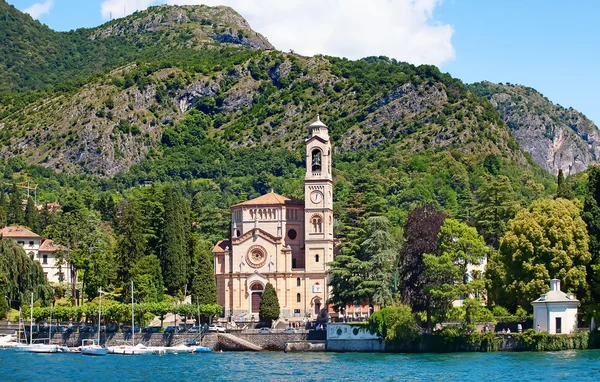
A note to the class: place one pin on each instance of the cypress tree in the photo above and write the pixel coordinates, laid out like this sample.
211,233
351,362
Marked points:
15,206
174,255
563,190
132,243
30,214
591,216
269,305
204,286
3,208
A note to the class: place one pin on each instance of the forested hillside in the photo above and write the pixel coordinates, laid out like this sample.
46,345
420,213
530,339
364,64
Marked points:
193,101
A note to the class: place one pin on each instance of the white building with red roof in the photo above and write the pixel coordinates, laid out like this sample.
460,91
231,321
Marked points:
45,251
288,243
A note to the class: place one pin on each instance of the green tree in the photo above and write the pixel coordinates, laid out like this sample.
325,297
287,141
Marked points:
496,205
174,256
269,305
131,242
347,276
380,250
147,278
447,275
3,209
563,189
30,214
395,323
15,206
204,286
547,240
591,216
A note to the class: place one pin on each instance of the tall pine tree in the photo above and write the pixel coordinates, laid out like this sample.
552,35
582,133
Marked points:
3,209
15,207
30,214
174,254
496,205
591,216
132,243
204,286
563,190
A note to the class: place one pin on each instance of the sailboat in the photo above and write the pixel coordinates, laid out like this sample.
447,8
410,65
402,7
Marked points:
91,347
39,347
132,349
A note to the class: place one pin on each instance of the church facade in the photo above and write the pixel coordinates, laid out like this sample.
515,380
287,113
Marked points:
286,242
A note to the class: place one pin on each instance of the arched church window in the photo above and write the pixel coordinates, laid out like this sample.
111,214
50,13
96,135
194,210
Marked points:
298,297
298,282
316,160
316,258
317,224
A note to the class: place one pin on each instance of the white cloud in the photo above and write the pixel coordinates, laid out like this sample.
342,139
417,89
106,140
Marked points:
39,9
402,29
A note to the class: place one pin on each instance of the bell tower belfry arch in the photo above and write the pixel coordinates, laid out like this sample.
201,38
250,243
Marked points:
318,199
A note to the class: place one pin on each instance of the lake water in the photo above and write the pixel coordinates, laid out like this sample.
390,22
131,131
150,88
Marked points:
275,366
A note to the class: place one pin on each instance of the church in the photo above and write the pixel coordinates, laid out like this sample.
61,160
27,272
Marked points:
286,242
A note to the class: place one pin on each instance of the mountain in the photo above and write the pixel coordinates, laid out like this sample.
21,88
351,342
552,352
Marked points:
192,94
36,57
557,138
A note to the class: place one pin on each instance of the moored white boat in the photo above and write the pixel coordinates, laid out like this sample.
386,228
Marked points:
90,347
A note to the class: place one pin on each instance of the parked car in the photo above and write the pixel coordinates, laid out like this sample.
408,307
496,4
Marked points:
194,329
127,329
151,329
264,330
289,330
216,328
172,329
87,329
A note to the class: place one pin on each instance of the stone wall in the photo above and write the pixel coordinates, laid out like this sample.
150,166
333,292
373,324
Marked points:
271,341
115,339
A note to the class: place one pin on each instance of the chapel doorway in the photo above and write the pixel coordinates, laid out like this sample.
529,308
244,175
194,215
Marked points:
256,291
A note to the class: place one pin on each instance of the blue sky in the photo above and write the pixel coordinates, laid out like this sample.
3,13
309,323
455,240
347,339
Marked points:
550,45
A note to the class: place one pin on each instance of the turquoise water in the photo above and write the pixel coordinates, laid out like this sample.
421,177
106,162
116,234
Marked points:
275,366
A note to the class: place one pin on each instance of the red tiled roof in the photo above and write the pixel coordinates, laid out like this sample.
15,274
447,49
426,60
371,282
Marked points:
270,199
50,246
18,231
221,245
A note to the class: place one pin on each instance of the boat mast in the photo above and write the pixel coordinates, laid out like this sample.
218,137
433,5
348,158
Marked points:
132,317
99,312
31,321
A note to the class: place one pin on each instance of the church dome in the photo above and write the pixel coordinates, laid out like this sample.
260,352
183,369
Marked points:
317,123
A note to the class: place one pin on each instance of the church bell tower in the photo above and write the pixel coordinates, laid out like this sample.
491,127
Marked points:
318,199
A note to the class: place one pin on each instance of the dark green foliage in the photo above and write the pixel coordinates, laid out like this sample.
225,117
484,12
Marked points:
131,241
15,214
175,236
496,205
591,216
147,278
30,214
395,323
204,286
3,208
421,237
492,164
269,305
564,189
20,275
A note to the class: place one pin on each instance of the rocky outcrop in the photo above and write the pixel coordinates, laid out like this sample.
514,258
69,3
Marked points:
557,138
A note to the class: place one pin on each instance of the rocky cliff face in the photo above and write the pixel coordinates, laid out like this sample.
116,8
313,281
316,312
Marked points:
556,137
